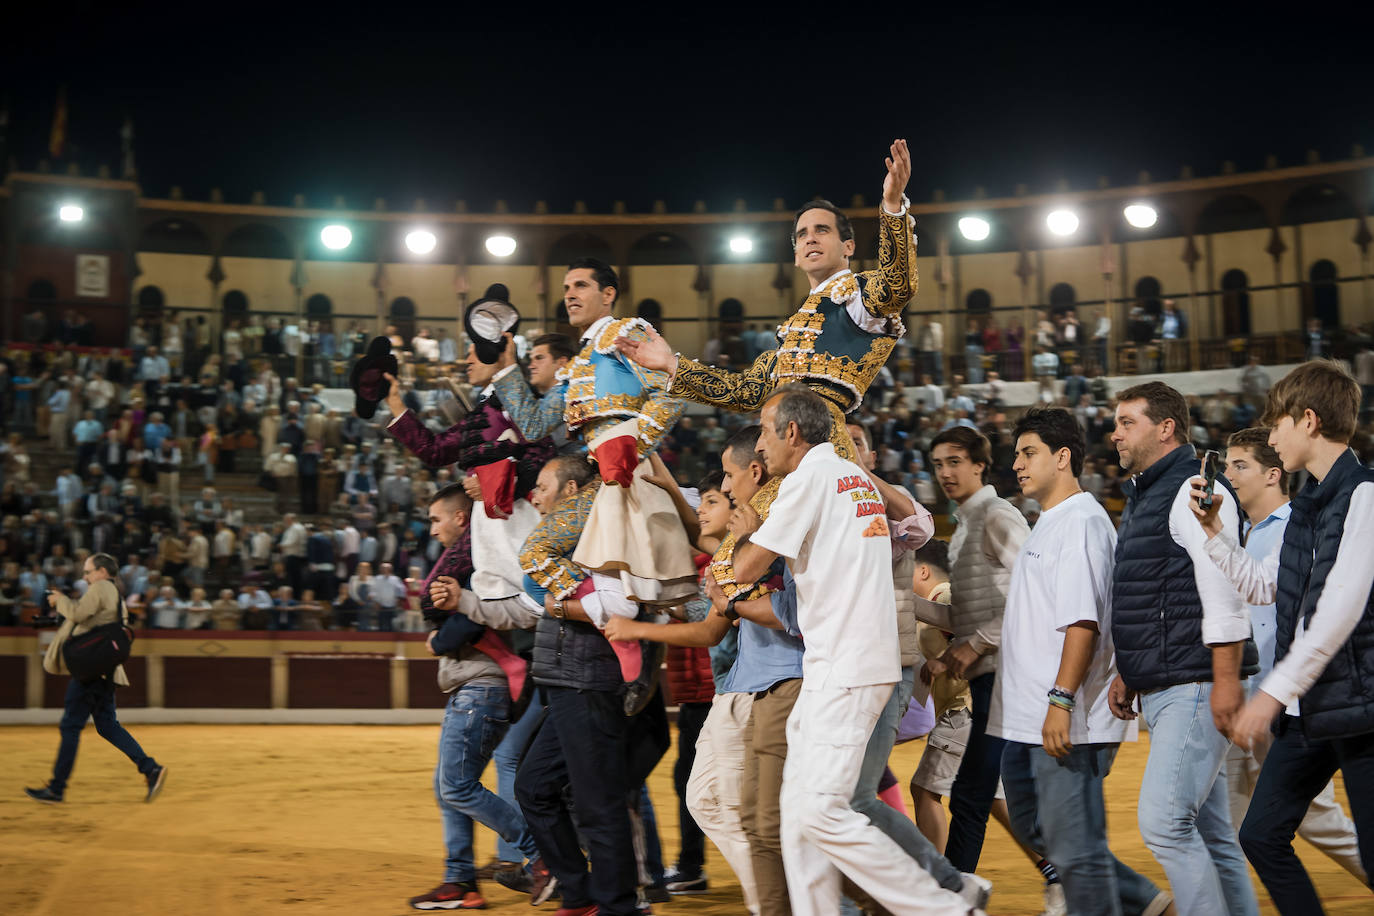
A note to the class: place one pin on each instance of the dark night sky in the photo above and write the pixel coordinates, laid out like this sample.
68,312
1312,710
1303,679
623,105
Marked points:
287,107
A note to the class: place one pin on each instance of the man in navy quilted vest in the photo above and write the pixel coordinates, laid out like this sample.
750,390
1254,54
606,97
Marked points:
1182,638
1320,694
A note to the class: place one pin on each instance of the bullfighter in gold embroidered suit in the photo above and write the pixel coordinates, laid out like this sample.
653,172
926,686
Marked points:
835,343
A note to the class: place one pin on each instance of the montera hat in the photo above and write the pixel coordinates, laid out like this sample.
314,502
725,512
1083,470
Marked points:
366,379
488,320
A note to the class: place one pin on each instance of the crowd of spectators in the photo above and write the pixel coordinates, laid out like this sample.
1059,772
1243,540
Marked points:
327,529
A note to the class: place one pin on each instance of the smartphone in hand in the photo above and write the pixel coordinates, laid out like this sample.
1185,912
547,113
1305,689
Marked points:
1211,466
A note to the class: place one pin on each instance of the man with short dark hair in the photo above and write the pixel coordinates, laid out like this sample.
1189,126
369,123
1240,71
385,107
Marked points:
478,714
837,341
982,551
549,354
830,524
1056,664
587,743
99,606
621,411
1182,641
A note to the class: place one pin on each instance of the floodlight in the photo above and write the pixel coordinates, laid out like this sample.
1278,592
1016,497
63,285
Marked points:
336,237
1141,216
974,228
71,213
421,241
741,244
502,246
1062,222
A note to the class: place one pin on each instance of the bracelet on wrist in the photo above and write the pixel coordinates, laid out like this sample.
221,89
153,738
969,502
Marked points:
1061,698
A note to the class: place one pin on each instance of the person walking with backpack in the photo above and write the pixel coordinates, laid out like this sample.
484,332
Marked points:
101,605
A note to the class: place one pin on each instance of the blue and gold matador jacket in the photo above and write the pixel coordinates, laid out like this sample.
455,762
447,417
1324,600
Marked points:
820,345
598,389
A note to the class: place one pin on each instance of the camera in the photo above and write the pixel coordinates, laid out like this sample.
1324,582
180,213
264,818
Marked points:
42,621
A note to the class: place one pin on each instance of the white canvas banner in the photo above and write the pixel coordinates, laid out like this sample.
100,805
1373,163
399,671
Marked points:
93,275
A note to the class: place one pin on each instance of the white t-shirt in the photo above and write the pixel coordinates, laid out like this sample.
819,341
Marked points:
831,525
1063,575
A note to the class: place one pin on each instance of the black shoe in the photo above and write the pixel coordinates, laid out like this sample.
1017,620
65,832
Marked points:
516,879
45,795
680,884
155,781
640,691
488,872
657,893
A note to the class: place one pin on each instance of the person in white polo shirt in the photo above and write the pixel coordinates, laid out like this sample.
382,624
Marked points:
1057,663
829,522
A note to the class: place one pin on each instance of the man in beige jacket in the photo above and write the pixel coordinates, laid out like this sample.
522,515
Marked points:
99,606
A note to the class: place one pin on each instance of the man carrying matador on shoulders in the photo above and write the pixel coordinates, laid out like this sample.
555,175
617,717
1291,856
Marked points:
835,343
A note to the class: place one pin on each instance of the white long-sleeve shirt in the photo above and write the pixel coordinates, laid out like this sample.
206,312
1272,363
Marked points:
608,600
1340,606
1225,617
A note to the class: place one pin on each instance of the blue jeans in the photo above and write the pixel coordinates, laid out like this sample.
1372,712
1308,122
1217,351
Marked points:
1296,770
648,822
975,786
1056,805
474,723
506,757
93,699
900,828
1183,813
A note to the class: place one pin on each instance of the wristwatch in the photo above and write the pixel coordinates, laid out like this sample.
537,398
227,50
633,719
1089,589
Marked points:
730,613
559,610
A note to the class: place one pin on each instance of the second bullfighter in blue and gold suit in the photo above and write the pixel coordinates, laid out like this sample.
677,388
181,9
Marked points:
620,524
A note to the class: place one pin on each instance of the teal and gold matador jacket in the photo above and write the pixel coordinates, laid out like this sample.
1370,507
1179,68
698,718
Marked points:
597,390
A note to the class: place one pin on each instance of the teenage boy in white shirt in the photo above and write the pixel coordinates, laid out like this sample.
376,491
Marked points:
831,525
1323,583
1051,706
1261,485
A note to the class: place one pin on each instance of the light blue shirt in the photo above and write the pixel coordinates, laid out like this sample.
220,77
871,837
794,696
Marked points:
151,368
59,400
1263,540
87,431
767,656
154,433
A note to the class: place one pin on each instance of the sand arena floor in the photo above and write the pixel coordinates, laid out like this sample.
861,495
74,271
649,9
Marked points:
342,820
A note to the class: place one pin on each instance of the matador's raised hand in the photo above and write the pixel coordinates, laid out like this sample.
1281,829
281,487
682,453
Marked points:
898,174
652,353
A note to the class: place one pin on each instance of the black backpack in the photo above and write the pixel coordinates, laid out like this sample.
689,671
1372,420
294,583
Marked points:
99,651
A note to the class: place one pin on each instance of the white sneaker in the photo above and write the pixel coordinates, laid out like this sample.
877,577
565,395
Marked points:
1055,905
976,890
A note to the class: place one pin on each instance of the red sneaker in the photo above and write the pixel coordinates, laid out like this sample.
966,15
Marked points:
451,897
542,882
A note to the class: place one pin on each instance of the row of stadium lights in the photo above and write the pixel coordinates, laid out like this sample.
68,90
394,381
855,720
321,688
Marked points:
1060,222
337,237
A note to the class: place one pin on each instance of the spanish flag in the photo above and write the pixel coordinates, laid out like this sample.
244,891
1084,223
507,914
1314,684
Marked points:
57,140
